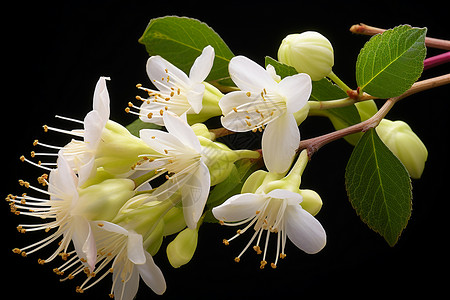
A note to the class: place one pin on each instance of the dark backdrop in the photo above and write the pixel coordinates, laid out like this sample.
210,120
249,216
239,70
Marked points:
55,54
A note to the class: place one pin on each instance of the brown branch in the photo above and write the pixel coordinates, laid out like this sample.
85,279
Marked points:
370,30
314,144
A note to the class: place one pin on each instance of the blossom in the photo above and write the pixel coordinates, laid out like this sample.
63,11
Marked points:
176,92
266,102
179,157
278,211
103,142
81,154
62,189
121,252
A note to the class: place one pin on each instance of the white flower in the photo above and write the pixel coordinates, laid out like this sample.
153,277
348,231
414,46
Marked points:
81,154
263,102
176,92
62,189
279,211
179,154
122,252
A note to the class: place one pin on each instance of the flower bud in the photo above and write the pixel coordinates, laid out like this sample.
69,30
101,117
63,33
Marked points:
103,201
119,150
312,202
219,158
181,250
308,52
405,144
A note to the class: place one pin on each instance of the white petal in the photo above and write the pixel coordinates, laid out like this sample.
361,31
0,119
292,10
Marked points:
160,140
152,275
249,76
297,90
304,230
83,240
239,207
125,290
194,194
111,227
63,180
93,128
291,197
135,249
202,65
101,99
250,112
158,69
181,130
279,143
233,100
195,98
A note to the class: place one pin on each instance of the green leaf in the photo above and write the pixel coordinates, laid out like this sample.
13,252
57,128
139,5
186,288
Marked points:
389,63
281,69
137,125
181,40
379,187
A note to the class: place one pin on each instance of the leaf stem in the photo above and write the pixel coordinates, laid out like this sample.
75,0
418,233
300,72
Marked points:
339,82
371,30
314,144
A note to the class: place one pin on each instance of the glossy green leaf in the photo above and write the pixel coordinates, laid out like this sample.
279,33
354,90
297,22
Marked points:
389,63
379,187
181,40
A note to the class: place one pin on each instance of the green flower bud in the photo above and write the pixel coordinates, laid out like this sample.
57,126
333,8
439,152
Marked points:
312,202
405,144
181,250
210,105
118,149
219,158
174,221
103,201
308,52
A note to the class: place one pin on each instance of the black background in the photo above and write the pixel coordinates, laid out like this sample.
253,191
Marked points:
55,55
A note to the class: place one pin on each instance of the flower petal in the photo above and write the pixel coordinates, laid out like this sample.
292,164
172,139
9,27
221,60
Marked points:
181,130
158,70
247,111
194,194
202,65
111,227
101,99
63,179
125,290
195,98
160,140
249,76
291,197
239,207
297,90
152,275
83,240
135,248
280,142
304,230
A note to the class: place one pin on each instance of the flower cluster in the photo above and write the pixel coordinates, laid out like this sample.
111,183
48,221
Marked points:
110,197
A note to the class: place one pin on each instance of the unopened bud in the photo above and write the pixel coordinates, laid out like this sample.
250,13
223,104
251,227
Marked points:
405,144
181,250
308,52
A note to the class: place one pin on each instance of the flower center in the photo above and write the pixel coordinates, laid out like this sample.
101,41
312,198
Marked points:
269,217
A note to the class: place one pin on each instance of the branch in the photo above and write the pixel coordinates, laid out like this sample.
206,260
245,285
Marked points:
370,30
314,144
